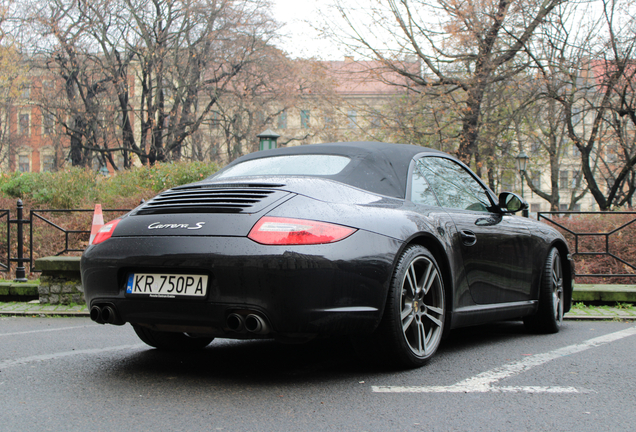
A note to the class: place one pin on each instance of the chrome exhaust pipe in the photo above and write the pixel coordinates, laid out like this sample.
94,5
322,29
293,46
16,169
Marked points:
109,315
256,324
96,314
235,322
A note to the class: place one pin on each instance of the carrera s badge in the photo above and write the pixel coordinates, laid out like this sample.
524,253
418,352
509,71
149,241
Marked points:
157,225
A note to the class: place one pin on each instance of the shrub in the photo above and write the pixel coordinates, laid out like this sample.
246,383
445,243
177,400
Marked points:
81,188
18,185
63,189
76,188
145,182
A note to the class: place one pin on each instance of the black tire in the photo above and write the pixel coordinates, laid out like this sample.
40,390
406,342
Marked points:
549,316
171,341
415,312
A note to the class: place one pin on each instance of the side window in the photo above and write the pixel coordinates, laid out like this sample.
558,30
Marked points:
421,192
454,186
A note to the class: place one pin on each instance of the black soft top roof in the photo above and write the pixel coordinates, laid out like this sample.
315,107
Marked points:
376,167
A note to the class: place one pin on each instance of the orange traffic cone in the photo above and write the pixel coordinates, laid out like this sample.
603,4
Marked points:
98,222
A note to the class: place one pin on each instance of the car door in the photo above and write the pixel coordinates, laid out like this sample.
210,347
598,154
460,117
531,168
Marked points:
495,247
423,197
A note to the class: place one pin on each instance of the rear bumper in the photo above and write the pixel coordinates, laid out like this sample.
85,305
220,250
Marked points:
337,288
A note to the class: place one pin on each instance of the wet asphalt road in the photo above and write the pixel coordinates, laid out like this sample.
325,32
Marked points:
72,375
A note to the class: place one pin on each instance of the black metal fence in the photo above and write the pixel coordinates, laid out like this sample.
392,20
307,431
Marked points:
577,239
557,219
5,214
15,253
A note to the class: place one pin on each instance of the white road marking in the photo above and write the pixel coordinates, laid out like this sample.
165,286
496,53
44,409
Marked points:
44,330
484,382
44,357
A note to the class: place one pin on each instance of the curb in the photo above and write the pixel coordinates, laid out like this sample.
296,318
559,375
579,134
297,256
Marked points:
569,317
604,293
43,314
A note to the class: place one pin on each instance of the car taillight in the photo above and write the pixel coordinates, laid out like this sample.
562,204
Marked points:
285,231
105,232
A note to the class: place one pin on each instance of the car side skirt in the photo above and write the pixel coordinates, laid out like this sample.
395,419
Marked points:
481,314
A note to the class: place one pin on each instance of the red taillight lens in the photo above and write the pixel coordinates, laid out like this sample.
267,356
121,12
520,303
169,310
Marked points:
105,232
286,231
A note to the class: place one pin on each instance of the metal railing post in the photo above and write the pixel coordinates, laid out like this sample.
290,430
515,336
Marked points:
20,271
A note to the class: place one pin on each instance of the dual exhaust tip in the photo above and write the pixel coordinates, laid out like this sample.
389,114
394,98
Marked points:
252,323
105,314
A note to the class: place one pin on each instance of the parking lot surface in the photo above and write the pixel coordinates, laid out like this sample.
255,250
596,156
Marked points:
71,374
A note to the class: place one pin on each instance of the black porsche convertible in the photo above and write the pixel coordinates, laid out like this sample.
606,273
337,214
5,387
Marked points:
391,244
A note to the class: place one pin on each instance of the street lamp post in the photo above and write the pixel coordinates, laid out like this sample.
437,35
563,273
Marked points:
268,140
521,162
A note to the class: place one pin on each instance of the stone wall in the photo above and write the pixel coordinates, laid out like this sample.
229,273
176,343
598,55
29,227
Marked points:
61,290
60,282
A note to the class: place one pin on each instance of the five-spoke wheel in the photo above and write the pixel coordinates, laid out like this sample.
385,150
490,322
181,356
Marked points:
422,305
415,313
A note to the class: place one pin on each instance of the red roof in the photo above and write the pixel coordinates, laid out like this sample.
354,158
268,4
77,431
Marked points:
365,77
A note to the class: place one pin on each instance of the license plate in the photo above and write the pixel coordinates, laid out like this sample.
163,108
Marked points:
167,285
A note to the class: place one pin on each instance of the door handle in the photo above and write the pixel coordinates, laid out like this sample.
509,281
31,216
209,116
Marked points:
468,237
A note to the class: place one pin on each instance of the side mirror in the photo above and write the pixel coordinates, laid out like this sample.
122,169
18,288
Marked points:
511,203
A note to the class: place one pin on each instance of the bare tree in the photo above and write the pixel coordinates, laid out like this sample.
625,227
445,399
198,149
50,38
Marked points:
591,77
252,102
13,84
464,48
156,67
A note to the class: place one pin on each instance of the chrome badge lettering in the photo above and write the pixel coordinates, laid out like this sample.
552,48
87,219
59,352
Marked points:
158,225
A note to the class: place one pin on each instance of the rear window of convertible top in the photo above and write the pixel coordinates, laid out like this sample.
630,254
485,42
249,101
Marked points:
310,165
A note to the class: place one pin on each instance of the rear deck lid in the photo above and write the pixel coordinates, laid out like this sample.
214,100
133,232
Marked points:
203,209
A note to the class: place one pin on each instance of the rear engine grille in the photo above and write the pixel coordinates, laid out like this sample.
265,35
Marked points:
213,199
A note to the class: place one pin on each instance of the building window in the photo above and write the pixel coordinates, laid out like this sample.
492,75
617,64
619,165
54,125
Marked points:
352,119
535,208
304,119
26,92
328,122
563,207
564,176
48,87
48,124
214,120
48,163
575,151
119,160
576,115
282,120
23,163
23,125
576,176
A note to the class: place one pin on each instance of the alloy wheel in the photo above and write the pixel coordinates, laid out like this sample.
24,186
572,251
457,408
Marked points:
422,307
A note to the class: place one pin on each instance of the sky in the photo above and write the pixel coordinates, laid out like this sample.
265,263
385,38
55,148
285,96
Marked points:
300,39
